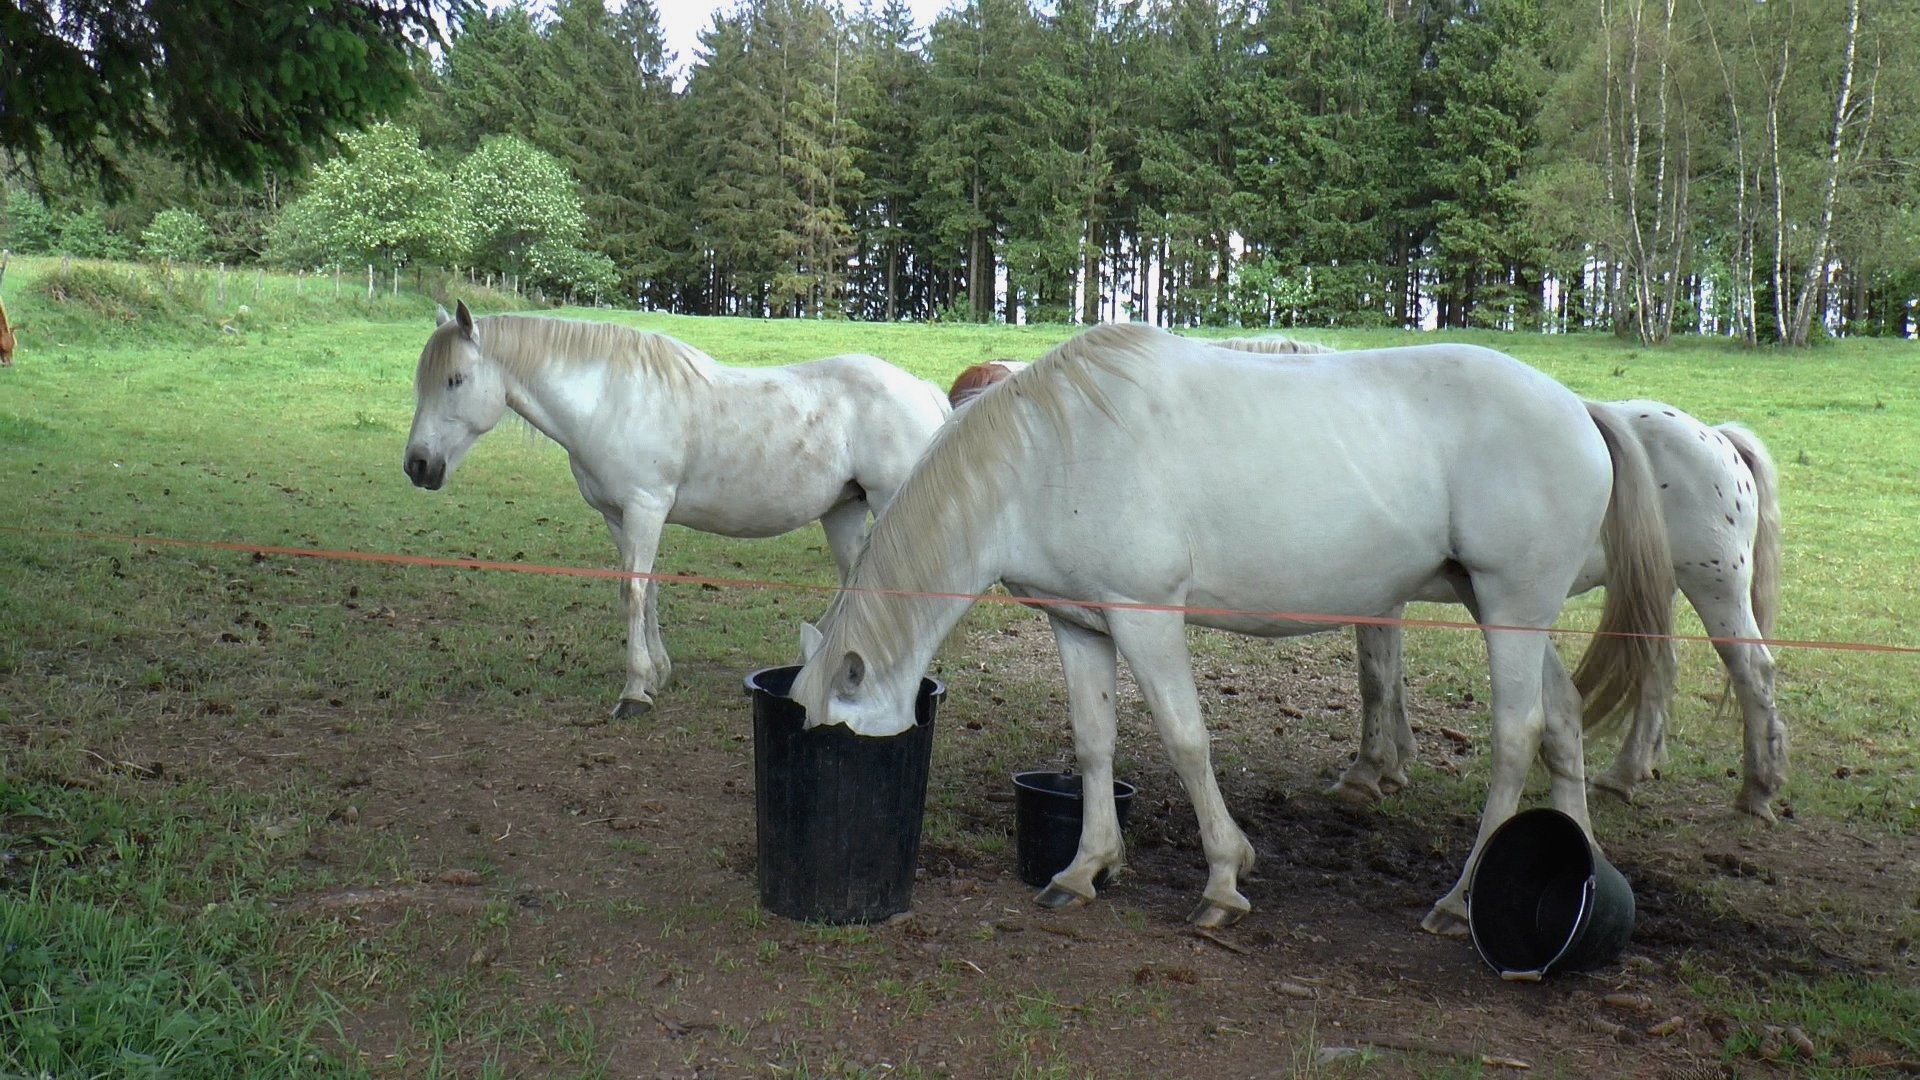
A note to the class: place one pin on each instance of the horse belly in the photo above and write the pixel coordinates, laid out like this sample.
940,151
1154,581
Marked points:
757,510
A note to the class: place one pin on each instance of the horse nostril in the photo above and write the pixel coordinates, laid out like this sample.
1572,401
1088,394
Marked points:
416,466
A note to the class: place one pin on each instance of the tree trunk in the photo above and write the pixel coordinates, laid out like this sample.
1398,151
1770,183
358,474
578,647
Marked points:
1813,285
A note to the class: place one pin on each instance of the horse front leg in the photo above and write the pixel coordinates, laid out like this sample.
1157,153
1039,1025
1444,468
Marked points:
1519,723
1087,660
636,531
1155,645
1386,737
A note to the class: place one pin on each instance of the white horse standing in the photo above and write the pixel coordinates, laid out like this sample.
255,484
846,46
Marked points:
1140,481
657,432
1718,492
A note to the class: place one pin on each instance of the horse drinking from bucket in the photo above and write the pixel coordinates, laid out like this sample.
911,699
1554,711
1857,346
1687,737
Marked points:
657,432
1132,481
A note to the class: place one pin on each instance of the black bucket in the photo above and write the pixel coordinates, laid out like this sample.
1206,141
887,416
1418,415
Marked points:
1541,899
1046,821
837,815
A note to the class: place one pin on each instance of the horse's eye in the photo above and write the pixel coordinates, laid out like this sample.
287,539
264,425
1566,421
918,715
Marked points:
454,381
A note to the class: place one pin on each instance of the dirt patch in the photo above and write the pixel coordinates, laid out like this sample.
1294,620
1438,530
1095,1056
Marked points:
602,874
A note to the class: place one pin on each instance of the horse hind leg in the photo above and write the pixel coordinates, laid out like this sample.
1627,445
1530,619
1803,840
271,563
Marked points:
1644,749
1520,726
846,529
1155,645
1379,768
1750,669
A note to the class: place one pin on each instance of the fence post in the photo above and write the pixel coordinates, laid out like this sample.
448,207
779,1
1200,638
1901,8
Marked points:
259,278
370,292
220,291
396,280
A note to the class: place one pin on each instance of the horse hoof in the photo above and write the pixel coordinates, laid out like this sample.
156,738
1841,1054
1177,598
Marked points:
1355,793
1610,785
632,709
1445,923
1758,806
1207,915
1053,896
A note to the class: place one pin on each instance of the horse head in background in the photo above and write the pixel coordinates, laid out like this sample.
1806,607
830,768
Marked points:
976,380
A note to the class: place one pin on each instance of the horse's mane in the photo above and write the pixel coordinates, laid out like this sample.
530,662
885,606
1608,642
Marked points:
524,344
962,477
1271,344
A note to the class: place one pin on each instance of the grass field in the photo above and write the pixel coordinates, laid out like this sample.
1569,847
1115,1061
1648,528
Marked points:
141,931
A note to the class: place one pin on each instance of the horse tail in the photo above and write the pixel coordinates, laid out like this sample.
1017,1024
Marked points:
1765,594
1632,648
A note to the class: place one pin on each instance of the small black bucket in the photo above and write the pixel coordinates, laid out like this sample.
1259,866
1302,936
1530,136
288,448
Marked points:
1046,821
837,815
1541,899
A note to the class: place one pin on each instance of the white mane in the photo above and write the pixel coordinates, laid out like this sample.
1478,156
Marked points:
1271,344
921,544
524,345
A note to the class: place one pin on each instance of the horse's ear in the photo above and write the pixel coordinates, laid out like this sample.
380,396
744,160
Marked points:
810,639
849,675
440,316
465,317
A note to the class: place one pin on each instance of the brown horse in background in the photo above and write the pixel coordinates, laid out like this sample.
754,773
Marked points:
975,380
6,328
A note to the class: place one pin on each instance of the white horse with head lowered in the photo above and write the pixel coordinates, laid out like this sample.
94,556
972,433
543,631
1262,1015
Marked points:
657,432
1134,481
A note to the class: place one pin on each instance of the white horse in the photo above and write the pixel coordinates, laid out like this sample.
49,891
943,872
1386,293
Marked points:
1719,497
658,432
1138,481
1718,491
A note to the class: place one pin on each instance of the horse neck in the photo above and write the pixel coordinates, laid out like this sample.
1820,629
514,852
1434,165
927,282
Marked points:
559,395
907,594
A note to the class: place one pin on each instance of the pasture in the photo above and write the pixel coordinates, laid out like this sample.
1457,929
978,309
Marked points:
371,818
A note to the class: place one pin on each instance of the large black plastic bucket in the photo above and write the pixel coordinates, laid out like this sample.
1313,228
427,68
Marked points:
1046,821
1541,899
837,814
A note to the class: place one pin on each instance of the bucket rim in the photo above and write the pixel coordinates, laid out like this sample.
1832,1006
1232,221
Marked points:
1021,781
1589,888
751,683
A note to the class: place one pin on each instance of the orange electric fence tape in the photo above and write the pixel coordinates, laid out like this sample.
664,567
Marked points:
994,598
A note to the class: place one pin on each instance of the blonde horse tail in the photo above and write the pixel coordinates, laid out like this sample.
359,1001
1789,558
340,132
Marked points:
1632,650
1765,593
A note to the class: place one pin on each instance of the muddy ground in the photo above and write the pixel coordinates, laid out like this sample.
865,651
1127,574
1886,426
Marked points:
571,873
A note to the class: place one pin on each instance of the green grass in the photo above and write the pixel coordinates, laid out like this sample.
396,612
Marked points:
142,407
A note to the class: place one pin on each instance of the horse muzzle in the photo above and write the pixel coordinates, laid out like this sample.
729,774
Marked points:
429,474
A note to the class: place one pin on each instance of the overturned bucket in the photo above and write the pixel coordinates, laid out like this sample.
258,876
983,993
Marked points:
836,814
1046,821
1542,899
